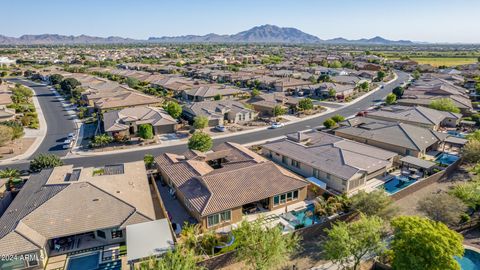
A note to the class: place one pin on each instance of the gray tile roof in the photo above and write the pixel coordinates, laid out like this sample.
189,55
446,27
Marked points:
417,114
115,120
398,134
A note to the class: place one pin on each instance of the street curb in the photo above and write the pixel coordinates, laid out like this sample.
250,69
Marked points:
76,154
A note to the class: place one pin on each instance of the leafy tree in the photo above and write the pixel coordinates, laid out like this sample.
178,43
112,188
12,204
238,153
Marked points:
332,93
381,75
335,64
264,248
420,243
255,92
69,84
55,79
324,78
444,104
305,104
329,123
390,99
312,79
442,207
217,97
149,161
471,151
468,193
174,109
350,243
364,86
101,140
375,203
200,122
6,135
179,258
398,91
338,118
9,173
329,206
200,141
145,131
3,74
132,82
416,75
279,110
45,161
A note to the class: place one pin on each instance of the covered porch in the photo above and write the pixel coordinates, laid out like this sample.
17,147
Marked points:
261,206
416,168
74,243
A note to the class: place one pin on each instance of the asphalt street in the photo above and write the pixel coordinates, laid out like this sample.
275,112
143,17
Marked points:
59,122
63,126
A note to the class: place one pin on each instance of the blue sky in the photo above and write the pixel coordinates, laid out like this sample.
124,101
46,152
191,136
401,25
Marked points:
419,20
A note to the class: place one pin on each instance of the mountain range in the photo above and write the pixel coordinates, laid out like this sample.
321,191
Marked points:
259,34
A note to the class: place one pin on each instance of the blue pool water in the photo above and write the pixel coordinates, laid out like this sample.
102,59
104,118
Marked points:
470,260
303,218
446,159
397,183
456,134
84,262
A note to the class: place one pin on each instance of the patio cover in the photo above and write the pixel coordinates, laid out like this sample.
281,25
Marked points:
317,182
455,140
147,239
425,164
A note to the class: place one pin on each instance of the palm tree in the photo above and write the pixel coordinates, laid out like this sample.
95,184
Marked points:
9,173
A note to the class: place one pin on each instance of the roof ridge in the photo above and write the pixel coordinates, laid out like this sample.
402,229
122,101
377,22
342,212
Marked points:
402,128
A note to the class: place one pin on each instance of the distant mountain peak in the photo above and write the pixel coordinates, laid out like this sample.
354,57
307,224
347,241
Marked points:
266,33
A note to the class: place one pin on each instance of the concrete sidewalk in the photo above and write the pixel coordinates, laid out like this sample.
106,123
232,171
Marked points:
78,152
38,134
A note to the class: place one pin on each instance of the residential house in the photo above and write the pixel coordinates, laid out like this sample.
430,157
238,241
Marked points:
217,188
342,166
209,93
219,112
125,122
266,103
428,89
66,209
401,138
417,115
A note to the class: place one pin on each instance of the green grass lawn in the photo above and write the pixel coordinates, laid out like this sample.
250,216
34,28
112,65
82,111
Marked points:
441,61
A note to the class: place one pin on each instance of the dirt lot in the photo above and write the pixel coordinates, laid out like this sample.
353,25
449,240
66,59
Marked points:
15,148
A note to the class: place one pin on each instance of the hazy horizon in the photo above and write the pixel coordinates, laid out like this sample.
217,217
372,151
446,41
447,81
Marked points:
439,21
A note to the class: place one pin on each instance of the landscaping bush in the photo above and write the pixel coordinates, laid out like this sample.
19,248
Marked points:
145,131
45,161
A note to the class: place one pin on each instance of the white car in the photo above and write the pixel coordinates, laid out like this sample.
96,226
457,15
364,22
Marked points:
277,125
220,128
67,144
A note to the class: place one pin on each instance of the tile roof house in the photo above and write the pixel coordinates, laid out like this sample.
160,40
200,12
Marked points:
65,209
218,187
265,103
125,122
344,166
417,115
219,111
208,93
404,139
428,89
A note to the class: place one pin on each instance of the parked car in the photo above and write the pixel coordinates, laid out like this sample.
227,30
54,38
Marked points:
67,144
277,125
220,128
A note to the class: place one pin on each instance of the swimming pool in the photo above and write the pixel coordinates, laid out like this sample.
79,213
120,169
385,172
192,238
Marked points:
456,134
305,217
88,261
470,260
446,159
397,183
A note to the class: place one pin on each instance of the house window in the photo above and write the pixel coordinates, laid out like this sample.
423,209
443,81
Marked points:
284,159
316,173
295,163
285,197
218,218
117,233
101,234
329,176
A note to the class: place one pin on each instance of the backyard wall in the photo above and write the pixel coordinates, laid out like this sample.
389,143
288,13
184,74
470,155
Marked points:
307,233
427,181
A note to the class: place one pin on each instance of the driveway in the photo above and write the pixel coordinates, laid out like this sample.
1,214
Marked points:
59,122
347,110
